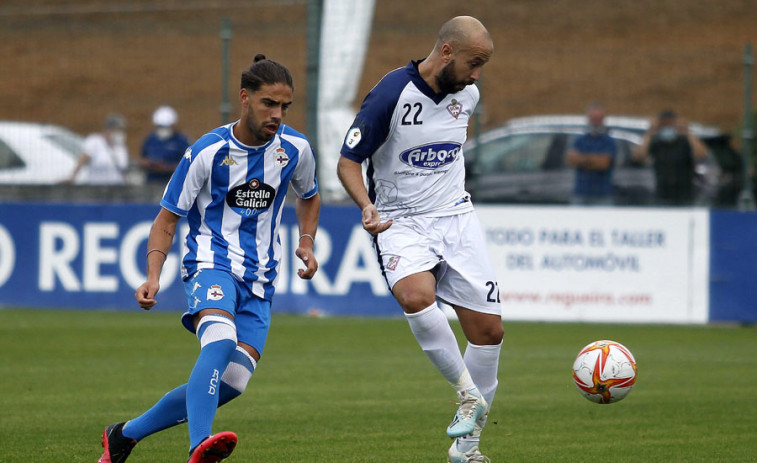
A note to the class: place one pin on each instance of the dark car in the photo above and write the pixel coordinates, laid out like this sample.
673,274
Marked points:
524,162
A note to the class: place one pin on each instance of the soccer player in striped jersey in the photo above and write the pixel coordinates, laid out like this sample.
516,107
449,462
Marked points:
230,186
410,131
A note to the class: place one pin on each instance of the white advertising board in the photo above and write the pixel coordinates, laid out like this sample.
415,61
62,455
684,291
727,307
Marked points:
600,264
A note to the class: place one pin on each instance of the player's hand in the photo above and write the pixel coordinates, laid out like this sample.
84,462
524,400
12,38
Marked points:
308,258
372,220
145,294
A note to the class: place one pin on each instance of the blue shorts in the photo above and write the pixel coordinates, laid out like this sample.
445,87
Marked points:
218,289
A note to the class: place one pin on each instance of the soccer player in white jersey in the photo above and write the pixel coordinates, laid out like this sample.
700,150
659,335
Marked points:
230,186
410,131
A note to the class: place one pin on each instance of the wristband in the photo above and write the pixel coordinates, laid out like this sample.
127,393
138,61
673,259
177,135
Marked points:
308,236
156,250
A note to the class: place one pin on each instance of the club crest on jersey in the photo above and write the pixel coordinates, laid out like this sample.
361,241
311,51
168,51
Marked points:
353,137
455,108
280,157
215,293
431,156
392,264
251,198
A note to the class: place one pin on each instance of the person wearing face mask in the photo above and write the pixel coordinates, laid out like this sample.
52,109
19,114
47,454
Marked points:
593,157
163,148
105,157
674,151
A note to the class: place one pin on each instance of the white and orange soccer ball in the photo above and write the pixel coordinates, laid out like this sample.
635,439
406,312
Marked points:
604,371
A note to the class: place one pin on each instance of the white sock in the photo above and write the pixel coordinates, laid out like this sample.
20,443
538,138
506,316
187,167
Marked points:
483,363
437,340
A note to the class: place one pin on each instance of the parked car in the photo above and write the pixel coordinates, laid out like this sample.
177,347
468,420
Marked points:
523,161
33,153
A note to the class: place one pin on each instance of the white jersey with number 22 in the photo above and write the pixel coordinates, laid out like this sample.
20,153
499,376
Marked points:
412,139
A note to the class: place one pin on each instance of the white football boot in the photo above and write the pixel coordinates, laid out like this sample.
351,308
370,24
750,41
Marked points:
454,455
472,408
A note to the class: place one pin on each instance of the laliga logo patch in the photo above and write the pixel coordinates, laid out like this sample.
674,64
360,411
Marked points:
431,156
392,264
455,108
280,157
353,137
215,293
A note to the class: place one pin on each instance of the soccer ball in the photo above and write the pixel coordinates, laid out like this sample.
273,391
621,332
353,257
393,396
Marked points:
604,371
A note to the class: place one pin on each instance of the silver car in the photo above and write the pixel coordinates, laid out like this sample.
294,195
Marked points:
523,161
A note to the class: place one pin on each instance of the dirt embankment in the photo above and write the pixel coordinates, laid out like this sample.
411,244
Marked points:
71,63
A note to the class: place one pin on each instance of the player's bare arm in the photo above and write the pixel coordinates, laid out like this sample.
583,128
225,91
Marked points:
158,246
351,175
307,211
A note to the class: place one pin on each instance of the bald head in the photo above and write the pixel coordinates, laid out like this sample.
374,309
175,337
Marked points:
461,32
462,48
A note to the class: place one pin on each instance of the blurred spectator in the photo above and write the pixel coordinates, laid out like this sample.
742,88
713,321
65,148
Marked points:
593,156
674,152
104,158
163,148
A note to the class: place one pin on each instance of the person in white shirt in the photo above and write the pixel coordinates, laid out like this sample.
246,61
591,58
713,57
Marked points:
105,157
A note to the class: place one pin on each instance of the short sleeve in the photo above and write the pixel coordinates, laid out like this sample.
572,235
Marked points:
372,124
190,176
304,182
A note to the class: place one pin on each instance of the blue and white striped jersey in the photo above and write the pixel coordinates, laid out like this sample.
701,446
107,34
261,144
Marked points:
232,196
413,140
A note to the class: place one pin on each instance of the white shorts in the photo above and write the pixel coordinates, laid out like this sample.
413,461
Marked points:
453,248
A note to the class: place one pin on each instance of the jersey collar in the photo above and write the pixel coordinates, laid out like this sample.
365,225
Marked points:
422,85
252,149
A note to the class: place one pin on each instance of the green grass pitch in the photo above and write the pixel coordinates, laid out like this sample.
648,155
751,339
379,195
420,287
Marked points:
360,390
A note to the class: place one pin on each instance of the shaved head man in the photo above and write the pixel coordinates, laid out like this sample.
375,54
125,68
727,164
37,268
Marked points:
410,132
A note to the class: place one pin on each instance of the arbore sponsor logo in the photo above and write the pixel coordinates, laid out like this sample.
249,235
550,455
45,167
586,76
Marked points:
431,156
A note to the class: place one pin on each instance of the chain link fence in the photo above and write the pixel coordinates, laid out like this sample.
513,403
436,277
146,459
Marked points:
71,63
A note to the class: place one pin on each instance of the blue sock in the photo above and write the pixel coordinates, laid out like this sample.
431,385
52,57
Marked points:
218,342
169,411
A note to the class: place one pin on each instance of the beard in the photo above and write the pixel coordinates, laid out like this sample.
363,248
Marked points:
257,130
447,82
